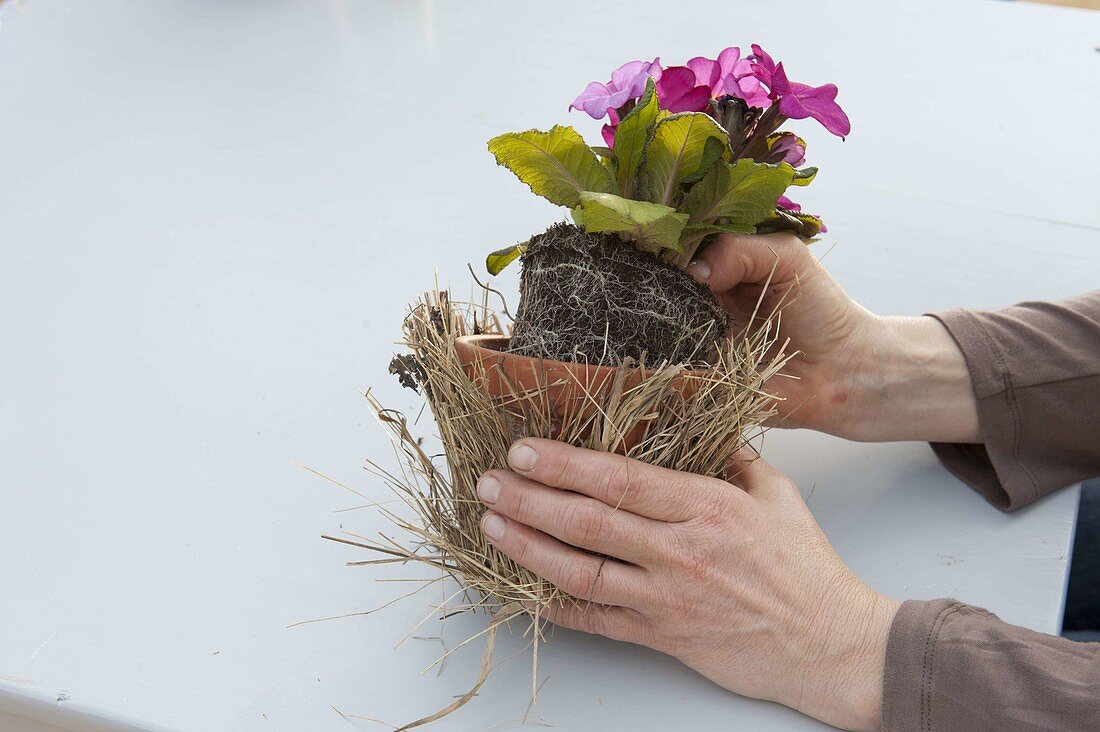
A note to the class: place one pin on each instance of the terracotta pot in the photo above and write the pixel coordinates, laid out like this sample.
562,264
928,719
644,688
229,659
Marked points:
572,390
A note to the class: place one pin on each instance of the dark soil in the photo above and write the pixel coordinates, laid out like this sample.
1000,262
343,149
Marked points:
595,297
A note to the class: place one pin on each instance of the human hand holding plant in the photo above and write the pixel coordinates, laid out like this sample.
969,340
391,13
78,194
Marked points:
858,375
737,581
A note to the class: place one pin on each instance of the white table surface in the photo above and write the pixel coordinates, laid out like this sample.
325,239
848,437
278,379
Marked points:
213,214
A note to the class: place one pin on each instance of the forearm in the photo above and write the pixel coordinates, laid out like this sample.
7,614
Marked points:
953,666
913,384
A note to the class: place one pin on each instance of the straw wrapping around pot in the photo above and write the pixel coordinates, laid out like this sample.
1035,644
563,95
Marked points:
698,429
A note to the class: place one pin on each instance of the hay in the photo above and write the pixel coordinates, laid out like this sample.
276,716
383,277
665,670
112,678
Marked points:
699,433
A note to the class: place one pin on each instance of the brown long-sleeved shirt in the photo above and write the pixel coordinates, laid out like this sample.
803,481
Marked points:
950,666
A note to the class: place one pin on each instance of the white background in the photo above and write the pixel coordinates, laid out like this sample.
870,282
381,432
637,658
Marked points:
212,216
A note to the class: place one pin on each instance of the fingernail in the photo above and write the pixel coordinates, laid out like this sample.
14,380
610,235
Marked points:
493,526
699,269
522,457
488,489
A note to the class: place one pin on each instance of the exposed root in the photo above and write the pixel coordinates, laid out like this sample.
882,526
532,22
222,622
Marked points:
594,297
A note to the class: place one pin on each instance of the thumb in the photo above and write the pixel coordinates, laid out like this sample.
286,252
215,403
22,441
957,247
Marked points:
734,259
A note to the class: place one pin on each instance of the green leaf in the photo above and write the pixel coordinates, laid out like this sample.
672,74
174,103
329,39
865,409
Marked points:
610,165
650,226
742,194
501,258
557,165
713,149
719,229
605,153
676,152
631,137
805,176
607,157
804,225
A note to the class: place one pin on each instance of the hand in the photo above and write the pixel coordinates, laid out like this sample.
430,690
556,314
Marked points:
737,581
857,375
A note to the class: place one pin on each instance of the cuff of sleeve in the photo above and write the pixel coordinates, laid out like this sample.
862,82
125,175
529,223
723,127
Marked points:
993,468
907,677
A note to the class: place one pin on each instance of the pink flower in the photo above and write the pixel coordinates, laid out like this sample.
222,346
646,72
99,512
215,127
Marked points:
762,65
633,75
711,73
597,98
678,91
786,147
627,82
799,101
730,74
608,130
787,204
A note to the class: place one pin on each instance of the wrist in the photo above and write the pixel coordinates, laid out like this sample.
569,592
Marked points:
850,661
916,384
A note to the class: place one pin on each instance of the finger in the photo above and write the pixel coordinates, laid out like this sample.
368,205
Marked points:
746,469
617,623
757,477
646,490
734,259
577,573
575,519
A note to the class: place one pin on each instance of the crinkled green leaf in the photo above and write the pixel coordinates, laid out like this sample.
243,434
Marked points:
609,164
605,153
631,137
676,152
650,226
805,176
501,258
803,224
557,165
741,194
719,229
713,149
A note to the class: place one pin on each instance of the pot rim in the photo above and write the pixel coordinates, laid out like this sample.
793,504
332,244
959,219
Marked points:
491,343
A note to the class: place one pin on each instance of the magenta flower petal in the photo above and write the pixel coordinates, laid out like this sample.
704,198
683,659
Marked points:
787,204
608,133
697,100
728,60
799,101
631,77
675,82
787,148
608,130
762,64
707,72
678,92
744,85
597,98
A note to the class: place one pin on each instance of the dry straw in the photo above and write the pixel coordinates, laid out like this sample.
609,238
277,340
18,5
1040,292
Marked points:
697,430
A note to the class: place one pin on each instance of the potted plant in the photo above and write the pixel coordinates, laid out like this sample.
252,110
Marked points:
614,346
691,151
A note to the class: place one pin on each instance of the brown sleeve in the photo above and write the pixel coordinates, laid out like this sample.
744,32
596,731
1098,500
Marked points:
1036,374
951,666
